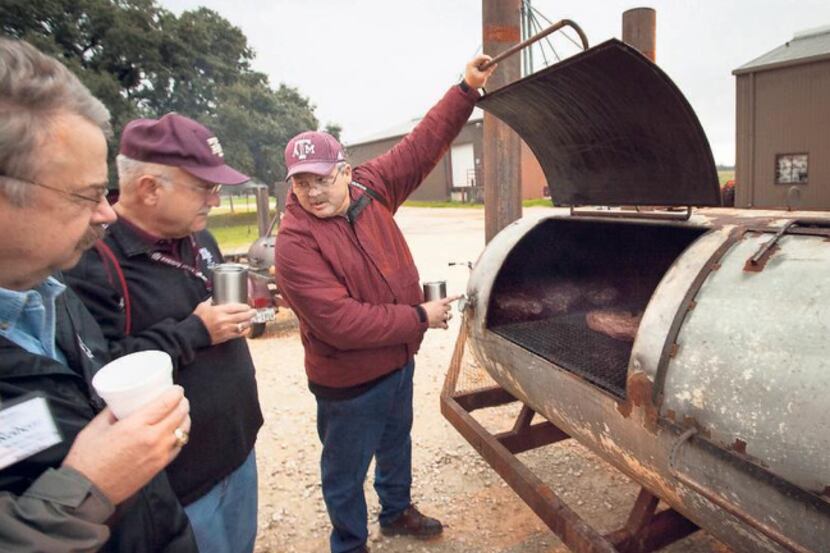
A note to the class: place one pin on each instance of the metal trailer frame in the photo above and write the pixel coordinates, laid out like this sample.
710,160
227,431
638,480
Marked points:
645,530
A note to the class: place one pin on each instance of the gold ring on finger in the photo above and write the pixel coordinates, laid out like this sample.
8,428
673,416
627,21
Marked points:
182,437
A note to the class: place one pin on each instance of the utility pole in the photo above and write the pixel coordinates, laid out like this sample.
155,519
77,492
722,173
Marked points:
501,21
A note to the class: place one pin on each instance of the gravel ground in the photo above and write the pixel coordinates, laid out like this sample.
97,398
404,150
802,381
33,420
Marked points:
451,481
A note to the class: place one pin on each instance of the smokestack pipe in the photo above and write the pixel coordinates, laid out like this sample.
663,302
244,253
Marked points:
639,29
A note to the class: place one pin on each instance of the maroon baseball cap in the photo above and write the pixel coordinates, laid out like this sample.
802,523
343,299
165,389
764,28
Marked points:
313,152
181,142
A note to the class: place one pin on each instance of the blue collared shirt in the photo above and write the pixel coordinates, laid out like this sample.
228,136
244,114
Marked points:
28,318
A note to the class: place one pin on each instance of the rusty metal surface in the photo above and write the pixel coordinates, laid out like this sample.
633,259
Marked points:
718,497
694,280
631,435
649,530
609,127
753,362
561,519
645,530
656,326
564,522
654,215
535,38
625,442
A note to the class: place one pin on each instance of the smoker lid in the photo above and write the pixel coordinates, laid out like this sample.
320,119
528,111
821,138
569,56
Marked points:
610,128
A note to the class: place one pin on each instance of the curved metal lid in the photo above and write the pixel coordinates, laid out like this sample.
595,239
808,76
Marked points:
610,128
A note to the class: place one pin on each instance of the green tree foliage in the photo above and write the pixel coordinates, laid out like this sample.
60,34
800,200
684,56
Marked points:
143,61
334,130
257,143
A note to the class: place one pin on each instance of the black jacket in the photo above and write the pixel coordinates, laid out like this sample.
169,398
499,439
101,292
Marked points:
153,520
218,380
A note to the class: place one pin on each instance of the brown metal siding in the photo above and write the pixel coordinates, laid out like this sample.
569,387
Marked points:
533,178
743,141
791,115
434,188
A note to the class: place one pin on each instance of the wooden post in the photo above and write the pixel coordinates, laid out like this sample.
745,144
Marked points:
502,147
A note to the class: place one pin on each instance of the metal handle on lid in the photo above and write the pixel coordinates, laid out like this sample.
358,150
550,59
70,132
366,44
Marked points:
538,36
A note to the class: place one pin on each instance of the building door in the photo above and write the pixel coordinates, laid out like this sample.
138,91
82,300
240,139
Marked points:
463,165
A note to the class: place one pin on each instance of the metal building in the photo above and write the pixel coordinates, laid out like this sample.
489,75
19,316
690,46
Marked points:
783,125
458,176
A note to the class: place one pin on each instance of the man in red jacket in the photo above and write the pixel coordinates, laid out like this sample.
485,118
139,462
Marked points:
345,268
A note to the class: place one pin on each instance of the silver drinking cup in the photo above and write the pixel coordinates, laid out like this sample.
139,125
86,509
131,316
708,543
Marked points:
230,283
435,290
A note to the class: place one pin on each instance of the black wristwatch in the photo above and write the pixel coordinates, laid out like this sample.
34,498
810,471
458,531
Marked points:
464,86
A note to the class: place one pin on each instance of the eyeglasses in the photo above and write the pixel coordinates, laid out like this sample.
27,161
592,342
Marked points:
319,183
102,191
205,190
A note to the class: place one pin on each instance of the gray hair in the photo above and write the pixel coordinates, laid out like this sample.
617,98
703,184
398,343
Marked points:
130,170
34,89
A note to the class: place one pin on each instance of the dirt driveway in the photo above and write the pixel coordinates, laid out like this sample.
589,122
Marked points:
451,481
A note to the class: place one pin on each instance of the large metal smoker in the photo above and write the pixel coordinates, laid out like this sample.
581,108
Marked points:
717,402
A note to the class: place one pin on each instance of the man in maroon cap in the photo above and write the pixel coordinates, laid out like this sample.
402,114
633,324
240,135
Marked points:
344,267
149,283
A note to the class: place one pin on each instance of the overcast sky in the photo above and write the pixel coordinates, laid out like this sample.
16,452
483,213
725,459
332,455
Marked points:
371,64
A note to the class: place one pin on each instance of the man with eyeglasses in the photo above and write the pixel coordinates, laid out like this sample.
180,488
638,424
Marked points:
344,267
149,285
72,477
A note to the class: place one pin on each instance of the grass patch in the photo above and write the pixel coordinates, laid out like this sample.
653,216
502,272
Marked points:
216,220
234,238
538,202
234,231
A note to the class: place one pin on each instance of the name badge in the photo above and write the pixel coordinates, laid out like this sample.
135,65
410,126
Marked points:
26,428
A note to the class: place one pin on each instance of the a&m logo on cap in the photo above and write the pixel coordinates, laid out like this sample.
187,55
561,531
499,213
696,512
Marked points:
215,146
303,148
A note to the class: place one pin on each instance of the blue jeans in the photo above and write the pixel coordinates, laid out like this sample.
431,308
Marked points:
224,520
375,424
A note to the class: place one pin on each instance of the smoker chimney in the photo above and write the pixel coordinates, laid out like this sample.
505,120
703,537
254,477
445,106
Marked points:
639,29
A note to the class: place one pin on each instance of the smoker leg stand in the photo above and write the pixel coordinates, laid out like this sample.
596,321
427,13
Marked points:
574,532
645,531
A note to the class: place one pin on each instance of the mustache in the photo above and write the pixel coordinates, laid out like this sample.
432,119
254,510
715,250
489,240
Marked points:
92,235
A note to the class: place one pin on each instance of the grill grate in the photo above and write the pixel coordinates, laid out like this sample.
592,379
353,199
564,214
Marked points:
568,342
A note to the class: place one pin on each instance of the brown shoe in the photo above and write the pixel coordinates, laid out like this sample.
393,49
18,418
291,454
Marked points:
412,523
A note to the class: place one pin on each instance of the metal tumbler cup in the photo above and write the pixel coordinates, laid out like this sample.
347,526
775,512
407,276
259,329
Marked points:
230,283
435,290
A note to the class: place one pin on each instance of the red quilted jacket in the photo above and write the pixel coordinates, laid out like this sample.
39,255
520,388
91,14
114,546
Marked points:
354,286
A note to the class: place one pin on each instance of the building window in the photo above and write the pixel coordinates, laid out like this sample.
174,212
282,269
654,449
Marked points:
791,169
